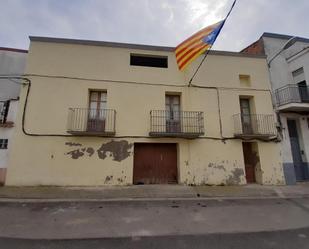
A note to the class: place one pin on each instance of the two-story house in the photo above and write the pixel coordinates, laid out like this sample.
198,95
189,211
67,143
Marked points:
288,62
12,62
98,113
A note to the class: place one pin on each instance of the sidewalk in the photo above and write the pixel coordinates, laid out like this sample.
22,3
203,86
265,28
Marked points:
153,192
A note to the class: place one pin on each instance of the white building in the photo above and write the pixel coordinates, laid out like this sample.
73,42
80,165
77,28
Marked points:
288,62
12,62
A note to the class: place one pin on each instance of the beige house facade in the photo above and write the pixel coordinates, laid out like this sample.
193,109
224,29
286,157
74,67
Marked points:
100,113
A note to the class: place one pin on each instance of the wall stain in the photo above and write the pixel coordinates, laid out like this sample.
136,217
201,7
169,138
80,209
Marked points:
119,150
75,154
73,144
108,179
90,151
216,166
235,177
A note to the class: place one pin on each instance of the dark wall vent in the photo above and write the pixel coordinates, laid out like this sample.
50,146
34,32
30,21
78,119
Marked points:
148,60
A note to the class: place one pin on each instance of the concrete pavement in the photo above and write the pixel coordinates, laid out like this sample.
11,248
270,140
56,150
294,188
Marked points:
155,216
76,220
152,192
288,239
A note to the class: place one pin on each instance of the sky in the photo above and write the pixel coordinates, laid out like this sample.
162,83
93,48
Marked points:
151,22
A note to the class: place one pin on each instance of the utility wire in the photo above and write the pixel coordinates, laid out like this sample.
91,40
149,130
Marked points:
206,53
27,83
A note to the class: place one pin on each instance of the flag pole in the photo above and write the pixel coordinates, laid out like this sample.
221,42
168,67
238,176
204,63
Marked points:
207,51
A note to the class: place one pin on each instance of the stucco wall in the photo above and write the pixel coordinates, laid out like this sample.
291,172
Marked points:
7,133
11,63
281,69
133,91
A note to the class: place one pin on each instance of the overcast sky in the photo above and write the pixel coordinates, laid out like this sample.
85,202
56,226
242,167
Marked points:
155,22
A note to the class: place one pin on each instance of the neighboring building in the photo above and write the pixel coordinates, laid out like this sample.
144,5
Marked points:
110,113
12,62
289,74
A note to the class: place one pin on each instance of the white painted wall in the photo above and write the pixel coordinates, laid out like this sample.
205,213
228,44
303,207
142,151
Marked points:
285,63
11,63
7,133
281,69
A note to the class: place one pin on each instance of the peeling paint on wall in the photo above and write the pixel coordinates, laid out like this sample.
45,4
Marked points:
108,179
73,144
90,151
216,166
118,150
75,154
235,177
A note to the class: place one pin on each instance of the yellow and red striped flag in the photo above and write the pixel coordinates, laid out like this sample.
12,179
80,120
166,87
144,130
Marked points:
191,48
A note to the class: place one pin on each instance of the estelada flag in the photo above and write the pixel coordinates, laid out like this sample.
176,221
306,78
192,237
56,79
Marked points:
191,48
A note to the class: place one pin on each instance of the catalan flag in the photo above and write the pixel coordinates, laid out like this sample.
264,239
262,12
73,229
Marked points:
191,48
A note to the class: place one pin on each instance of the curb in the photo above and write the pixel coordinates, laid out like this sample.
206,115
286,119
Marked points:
141,199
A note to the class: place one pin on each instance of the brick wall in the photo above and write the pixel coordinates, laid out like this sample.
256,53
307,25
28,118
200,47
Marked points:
255,48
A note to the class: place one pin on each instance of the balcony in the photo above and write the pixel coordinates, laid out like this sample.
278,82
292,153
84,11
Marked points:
4,109
91,122
292,98
184,124
254,126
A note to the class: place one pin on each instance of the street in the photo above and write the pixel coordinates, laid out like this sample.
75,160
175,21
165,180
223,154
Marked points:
213,223
289,239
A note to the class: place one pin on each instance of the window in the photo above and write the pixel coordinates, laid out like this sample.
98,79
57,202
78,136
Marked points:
244,80
299,79
3,144
298,75
97,100
245,111
97,111
4,109
148,60
172,107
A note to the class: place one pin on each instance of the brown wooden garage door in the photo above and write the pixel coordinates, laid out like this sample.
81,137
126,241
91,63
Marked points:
155,163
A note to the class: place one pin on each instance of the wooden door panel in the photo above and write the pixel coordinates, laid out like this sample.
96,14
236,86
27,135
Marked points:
249,158
155,163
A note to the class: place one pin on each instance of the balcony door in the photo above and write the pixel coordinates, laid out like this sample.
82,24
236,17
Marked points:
246,116
301,171
172,109
300,80
303,91
97,111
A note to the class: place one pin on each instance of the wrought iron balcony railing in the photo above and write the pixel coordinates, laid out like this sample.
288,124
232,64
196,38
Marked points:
176,123
85,121
254,125
291,94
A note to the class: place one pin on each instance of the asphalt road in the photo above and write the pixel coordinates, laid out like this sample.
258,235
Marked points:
217,223
290,239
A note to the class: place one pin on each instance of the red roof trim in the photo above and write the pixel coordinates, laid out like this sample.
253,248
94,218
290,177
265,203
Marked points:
14,50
